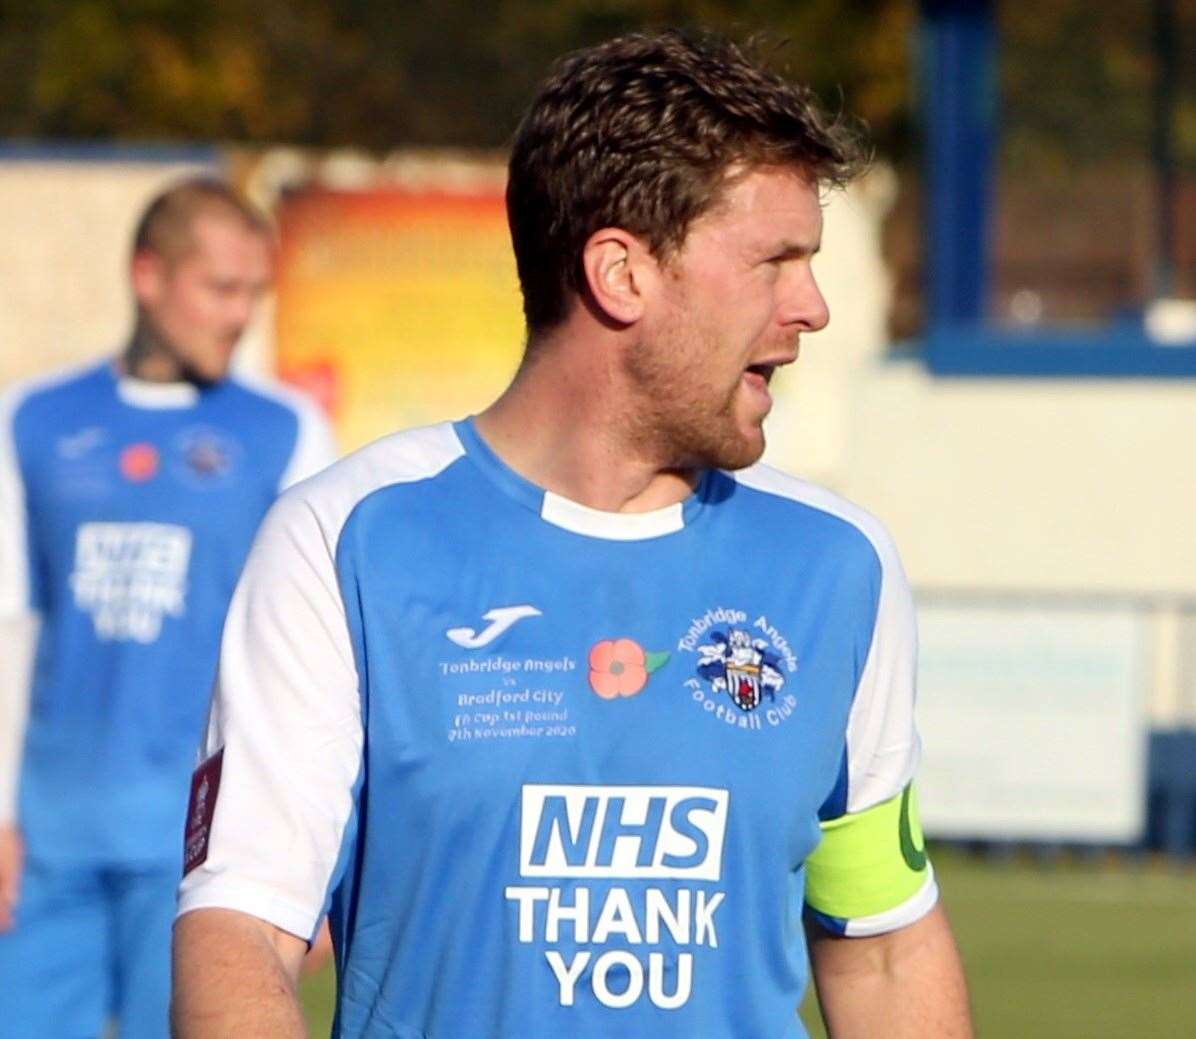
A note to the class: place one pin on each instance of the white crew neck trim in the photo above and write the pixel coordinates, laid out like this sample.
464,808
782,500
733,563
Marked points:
141,393
615,526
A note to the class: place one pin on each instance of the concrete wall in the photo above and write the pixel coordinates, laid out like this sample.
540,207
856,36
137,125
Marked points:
1030,484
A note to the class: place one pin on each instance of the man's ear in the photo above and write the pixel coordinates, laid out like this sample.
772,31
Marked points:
620,273
146,273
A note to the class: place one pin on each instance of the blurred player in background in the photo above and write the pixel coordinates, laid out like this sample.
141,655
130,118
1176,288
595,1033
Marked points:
574,708
129,493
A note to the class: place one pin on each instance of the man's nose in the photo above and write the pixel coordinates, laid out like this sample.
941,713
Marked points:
804,305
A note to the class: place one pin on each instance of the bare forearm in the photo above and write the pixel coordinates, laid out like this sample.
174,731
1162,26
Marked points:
904,985
234,976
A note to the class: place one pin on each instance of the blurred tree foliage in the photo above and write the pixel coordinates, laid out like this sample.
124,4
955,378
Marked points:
1076,83
1075,77
380,74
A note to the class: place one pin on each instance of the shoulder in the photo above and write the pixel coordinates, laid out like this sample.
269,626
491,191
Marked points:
303,439
48,393
831,510
270,397
406,457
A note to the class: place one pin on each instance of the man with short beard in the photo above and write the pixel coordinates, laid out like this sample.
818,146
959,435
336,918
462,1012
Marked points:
130,490
570,710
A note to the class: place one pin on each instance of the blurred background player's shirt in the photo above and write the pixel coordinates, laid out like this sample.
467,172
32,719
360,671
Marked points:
128,508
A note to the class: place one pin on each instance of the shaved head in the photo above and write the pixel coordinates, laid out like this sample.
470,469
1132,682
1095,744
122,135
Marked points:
167,225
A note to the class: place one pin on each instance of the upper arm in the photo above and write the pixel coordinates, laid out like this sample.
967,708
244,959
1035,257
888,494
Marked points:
836,955
234,974
266,830
199,933
869,874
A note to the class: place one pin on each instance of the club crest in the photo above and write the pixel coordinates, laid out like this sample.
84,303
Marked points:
740,666
742,669
205,457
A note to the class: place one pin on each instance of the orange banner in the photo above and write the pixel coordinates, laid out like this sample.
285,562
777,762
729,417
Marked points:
396,308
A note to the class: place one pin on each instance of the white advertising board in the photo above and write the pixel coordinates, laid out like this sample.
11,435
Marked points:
1033,722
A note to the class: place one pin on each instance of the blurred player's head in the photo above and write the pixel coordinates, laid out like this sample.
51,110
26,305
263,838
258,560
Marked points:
201,262
669,187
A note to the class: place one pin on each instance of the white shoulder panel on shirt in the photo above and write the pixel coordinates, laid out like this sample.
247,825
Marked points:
883,748
404,457
765,478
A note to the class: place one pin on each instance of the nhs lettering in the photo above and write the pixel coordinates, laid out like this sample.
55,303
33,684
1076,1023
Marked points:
635,833
622,831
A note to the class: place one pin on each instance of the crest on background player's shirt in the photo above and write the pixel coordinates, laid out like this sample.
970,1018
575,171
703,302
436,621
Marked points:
205,457
740,666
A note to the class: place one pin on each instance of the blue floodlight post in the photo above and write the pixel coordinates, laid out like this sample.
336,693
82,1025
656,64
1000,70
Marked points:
959,91
956,64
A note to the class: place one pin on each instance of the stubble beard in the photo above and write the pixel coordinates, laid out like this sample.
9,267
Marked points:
679,422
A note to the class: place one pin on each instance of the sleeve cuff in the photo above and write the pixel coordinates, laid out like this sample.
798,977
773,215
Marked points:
251,899
910,911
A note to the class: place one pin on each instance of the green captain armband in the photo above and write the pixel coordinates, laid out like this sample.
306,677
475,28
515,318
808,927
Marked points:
870,874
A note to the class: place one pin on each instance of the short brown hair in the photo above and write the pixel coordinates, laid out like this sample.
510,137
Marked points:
640,133
165,226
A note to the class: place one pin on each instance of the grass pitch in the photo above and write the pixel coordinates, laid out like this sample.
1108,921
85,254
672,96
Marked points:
1071,950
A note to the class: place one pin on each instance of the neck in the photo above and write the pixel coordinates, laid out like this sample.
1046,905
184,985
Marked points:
146,357
566,423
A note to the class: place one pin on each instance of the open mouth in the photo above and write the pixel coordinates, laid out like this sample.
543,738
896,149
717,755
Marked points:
761,371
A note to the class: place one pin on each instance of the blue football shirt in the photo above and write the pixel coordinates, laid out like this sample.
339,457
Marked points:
128,508
556,771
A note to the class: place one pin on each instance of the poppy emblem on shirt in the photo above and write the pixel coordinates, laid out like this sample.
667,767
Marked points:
139,462
621,667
